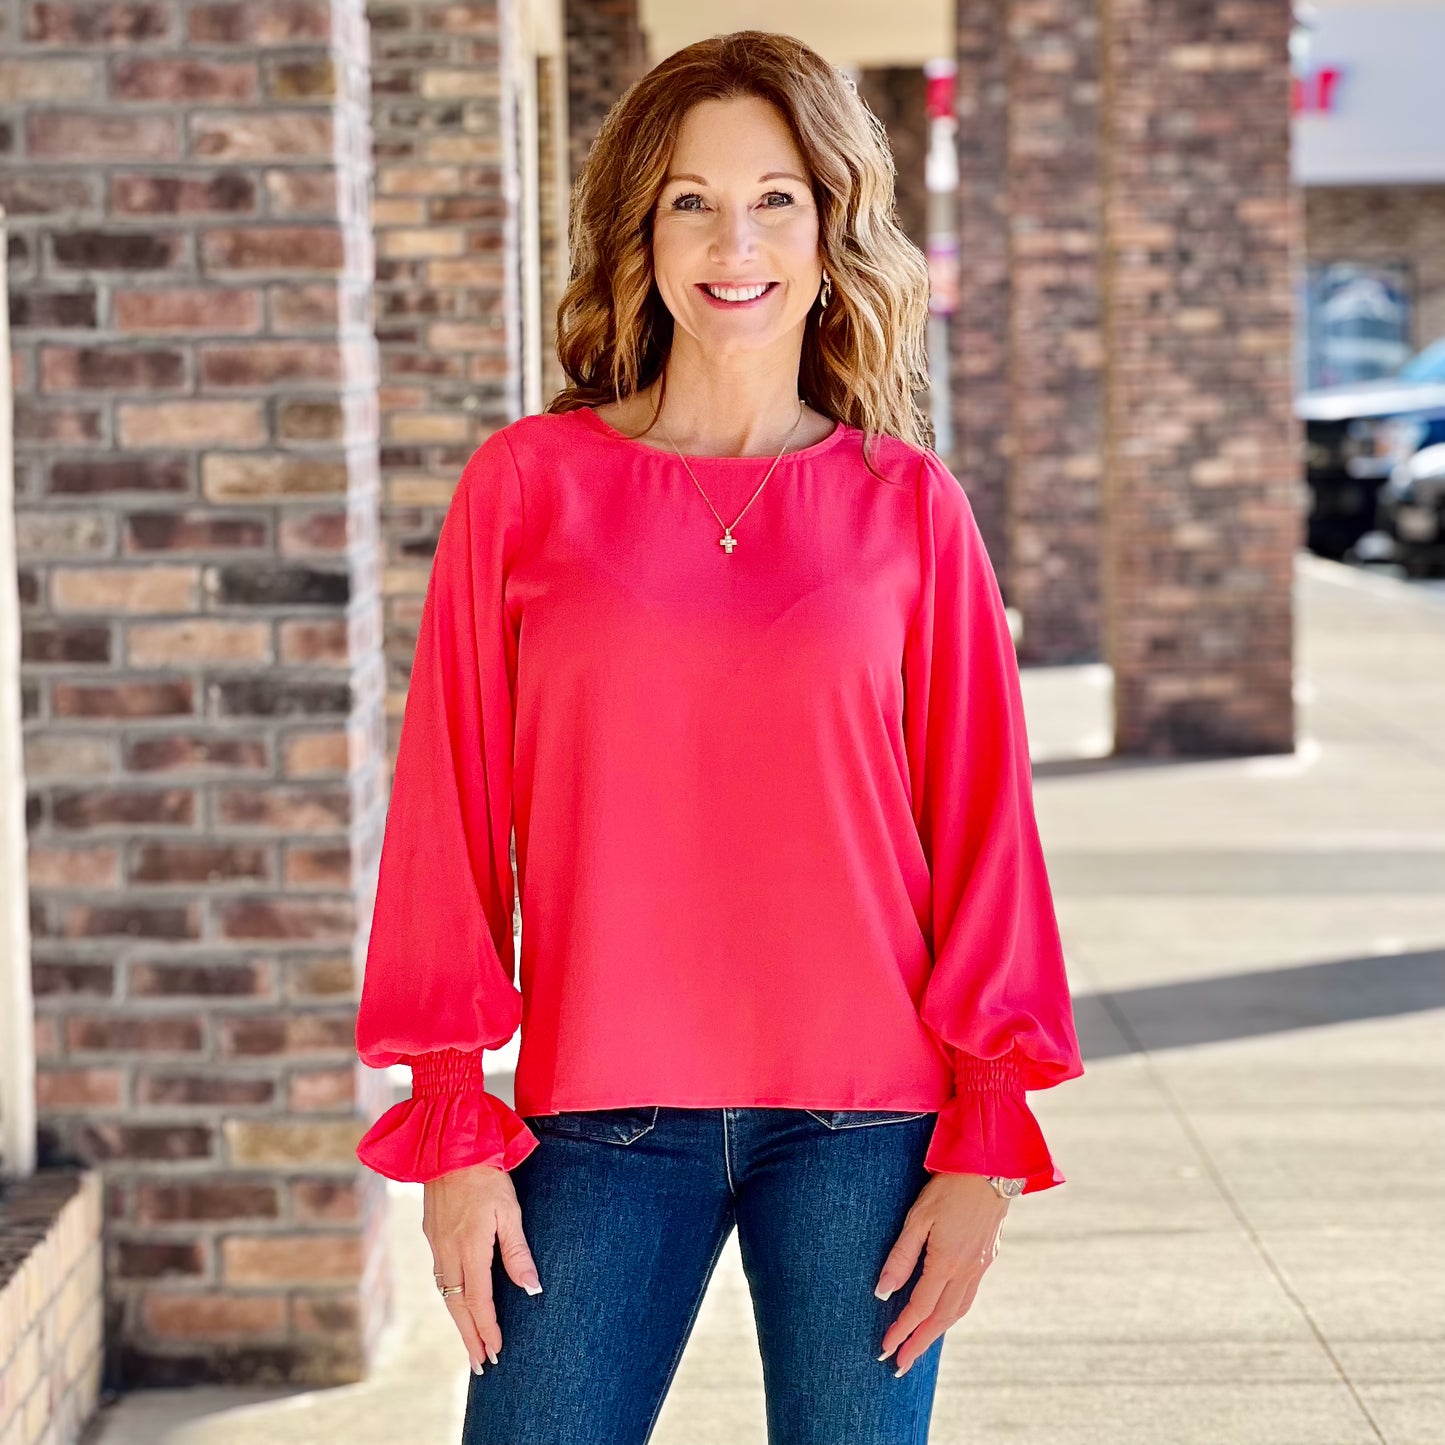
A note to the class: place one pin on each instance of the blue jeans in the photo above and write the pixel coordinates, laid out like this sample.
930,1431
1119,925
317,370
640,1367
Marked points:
626,1211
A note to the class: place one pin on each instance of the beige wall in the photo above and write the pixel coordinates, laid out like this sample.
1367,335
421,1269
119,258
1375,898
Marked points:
851,33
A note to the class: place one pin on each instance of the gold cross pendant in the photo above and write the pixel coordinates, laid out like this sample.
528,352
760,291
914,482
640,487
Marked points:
727,542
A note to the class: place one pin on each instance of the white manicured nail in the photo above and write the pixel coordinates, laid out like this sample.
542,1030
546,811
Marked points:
492,1356
881,1292
476,1367
532,1288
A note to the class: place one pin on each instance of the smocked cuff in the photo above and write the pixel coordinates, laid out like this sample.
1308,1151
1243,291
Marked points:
450,1122
988,1127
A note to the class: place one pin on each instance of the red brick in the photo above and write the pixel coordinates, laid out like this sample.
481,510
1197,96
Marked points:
290,1259
308,78
318,867
274,248
170,78
304,308
112,1140
283,809
299,1033
177,752
193,532
185,1317
170,922
224,193
302,420
91,22
101,136
313,532
214,310
65,425
135,250
320,1090
251,979
197,640
325,1314
205,1200
298,192
261,22
233,476
261,363
95,475
209,1090
160,1033
191,423
157,1259
72,644
258,918
110,368
310,755
173,697
50,866
269,135
326,1201
209,862
102,807
60,1089
124,589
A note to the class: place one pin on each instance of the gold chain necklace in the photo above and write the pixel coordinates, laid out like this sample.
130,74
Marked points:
727,541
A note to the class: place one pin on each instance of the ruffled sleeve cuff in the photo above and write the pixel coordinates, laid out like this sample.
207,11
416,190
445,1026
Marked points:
988,1128
450,1122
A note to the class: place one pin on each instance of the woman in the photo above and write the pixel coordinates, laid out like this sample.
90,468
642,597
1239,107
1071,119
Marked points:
717,632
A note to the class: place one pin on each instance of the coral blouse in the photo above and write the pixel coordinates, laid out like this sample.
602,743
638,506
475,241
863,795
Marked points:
773,806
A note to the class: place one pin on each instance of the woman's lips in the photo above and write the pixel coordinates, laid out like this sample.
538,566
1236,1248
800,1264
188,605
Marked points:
736,305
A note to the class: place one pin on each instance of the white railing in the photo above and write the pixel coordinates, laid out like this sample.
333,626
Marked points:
17,1014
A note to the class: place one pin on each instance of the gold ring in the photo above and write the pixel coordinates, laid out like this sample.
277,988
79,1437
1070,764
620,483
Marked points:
450,1289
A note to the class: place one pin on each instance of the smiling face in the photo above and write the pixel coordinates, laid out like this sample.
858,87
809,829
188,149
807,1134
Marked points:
737,212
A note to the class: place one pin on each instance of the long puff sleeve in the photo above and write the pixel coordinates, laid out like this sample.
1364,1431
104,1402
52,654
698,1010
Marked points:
440,962
997,1000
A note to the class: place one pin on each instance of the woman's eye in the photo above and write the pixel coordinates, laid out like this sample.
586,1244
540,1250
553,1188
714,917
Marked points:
677,201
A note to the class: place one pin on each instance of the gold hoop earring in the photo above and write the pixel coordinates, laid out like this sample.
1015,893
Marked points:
827,292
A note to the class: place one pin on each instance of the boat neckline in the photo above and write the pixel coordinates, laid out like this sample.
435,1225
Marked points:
608,430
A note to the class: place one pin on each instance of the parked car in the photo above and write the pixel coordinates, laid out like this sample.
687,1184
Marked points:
1355,435
1410,516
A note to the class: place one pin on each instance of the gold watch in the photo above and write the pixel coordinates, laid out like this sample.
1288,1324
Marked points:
1006,1188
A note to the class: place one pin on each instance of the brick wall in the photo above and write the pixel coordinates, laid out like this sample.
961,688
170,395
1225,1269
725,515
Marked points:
1385,223
1055,328
204,740
1204,503
978,335
606,52
50,1306
897,95
448,307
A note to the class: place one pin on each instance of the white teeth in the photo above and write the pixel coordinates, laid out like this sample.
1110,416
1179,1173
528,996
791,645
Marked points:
724,293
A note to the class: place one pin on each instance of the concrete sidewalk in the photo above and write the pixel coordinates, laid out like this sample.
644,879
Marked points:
1251,1244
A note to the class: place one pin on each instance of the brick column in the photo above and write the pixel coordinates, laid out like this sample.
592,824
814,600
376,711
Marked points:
447,281
1204,505
1055,336
978,334
606,52
897,95
196,505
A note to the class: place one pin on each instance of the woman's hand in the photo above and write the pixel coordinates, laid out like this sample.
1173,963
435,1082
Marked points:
464,1214
960,1216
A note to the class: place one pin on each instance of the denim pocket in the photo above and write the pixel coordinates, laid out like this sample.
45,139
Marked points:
855,1118
607,1126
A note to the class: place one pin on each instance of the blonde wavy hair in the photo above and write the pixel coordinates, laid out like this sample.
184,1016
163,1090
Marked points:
865,354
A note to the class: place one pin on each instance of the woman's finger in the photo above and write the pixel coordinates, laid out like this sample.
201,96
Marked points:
449,1267
947,1313
481,1309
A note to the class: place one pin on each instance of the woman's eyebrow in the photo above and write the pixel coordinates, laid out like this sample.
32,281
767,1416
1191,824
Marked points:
769,176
